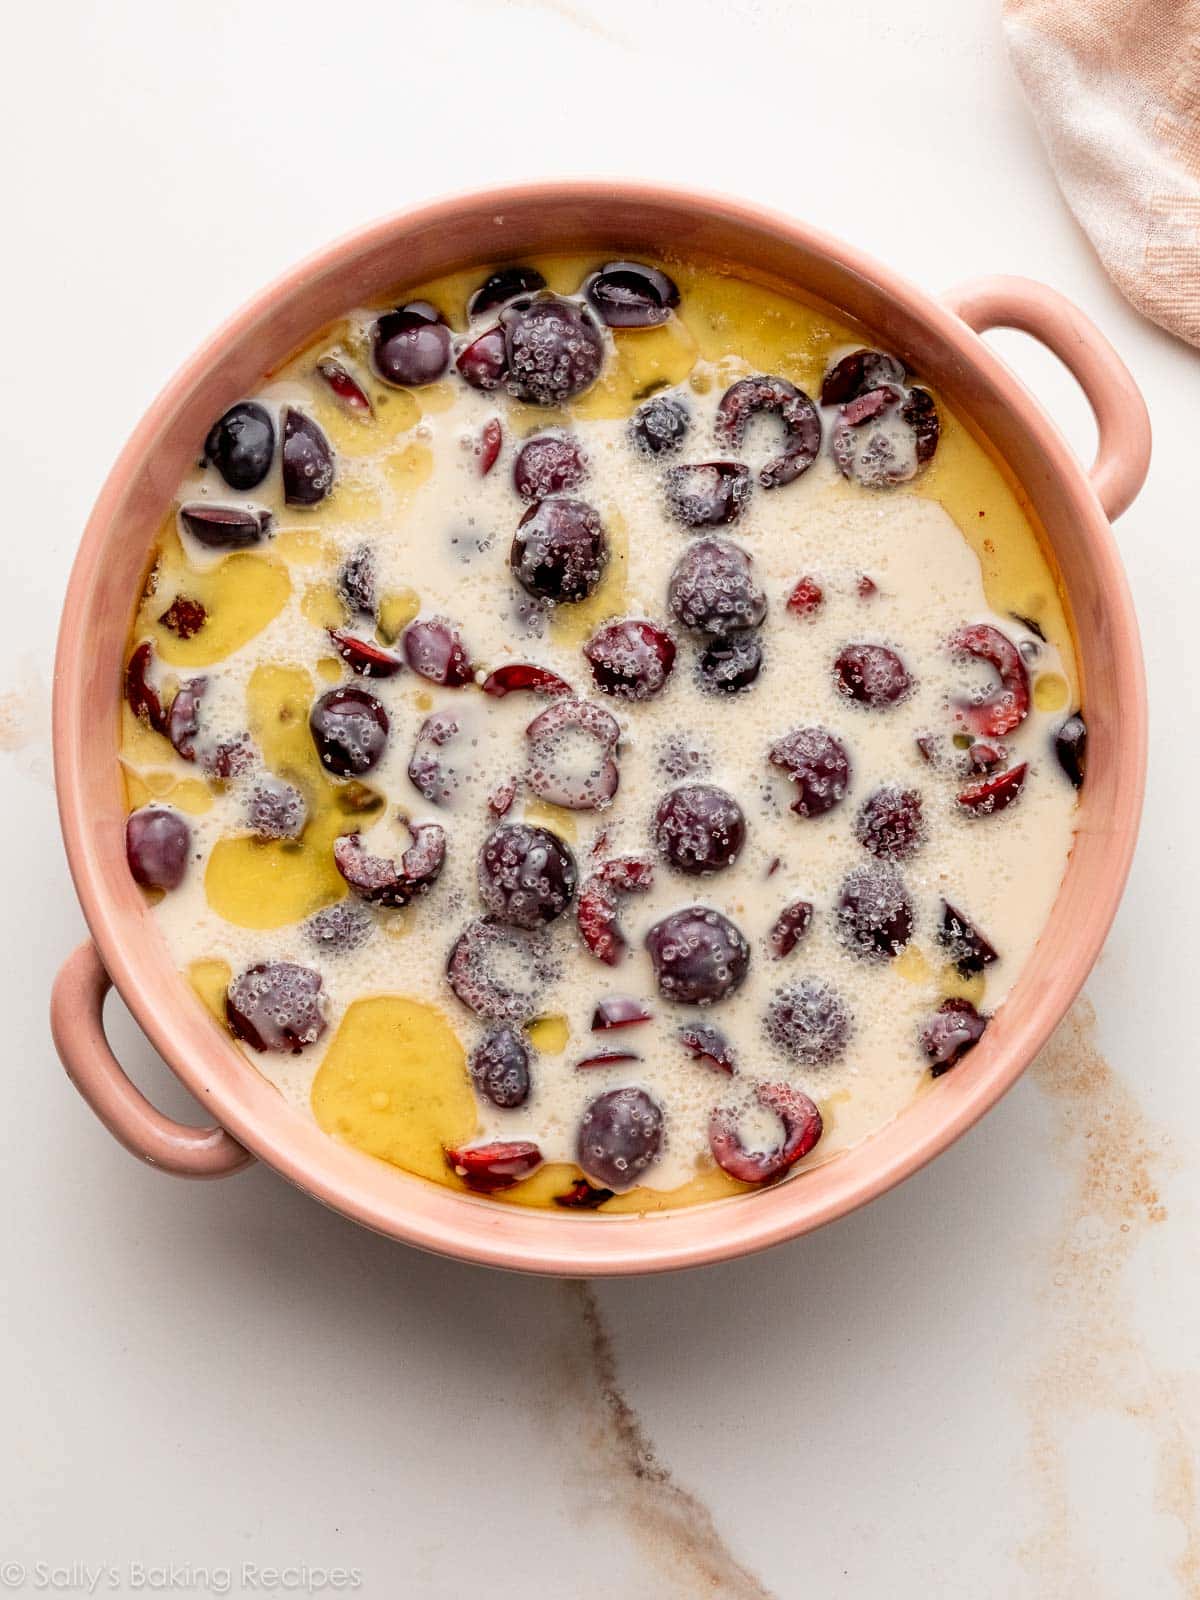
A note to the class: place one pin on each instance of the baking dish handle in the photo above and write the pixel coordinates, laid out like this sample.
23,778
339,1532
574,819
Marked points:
77,1024
1122,422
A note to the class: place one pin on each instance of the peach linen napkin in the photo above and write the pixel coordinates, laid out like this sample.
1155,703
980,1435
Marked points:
1115,90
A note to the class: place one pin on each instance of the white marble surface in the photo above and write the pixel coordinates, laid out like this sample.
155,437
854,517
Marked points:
984,1385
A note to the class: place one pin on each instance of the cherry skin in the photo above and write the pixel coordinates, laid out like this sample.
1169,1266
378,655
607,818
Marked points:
620,1138
241,445
158,842
276,1005
526,875
699,956
631,660
699,829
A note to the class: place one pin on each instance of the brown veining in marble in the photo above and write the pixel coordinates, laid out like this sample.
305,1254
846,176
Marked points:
671,1525
1095,1360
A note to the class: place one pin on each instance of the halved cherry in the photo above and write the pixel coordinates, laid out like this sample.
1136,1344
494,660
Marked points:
631,659
806,598
411,345
802,1128
306,460
489,1168
518,675
507,283
140,694
183,719
954,1028
791,925
491,437
364,656
707,1044
750,397
985,756
357,580
708,494
500,972
606,1058
571,761
596,910
817,763
224,527
857,372
583,1196
434,649
549,463
158,841
620,1137
994,794
276,1005
183,617
619,1011
500,1067
1006,707
872,675
345,386
627,294
484,362
969,950
434,775
384,883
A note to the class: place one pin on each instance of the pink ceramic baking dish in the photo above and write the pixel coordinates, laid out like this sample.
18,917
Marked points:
941,339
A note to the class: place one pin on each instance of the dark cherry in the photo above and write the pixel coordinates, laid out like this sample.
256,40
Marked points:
707,1044
158,842
699,829
954,1028
183,617
411,346
242,444
364,656
570,755
806,598
344,386
548,464
631,659
488,1168
430,771
809,1021
620,1137
526,875
434,649
660,425
606,1058
509,283
619,1011
994,794
968,949
872,675
554,350
1070,746
357,581
857,372
521,675
727,666
864,441
499,972
790,926
484,362
340,928
381,881
491,437
276,1005
874,912
626,294
599,900
802,1127
229,758
582,1196
183,719
698,955
349,729
708,494
751,397
891,823
500,1067
817,763
141,695
997,714
559,551
275,809
712,589
225,527
307,460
